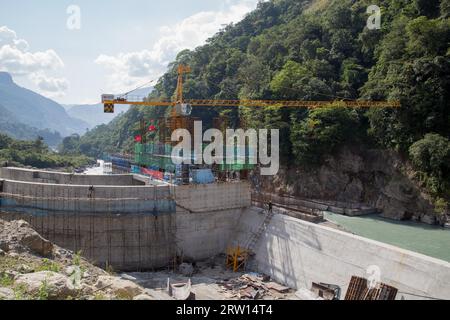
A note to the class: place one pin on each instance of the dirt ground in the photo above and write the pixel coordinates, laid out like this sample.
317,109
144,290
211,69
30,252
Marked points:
213,283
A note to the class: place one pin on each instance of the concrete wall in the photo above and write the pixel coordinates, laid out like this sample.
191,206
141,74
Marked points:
35,197
29,175
298,253
210,197
127,227
136,242
204,235
129,242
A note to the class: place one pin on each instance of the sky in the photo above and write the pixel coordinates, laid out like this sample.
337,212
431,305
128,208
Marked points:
74,51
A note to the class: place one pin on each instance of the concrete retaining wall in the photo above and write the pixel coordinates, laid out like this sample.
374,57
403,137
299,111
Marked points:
30,175
298,253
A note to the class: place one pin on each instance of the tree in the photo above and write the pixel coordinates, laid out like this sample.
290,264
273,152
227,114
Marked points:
303,81
432,155
254,76
5,141
428,37
322,132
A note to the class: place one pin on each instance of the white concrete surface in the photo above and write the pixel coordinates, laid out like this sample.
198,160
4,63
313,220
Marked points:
211,197
297,253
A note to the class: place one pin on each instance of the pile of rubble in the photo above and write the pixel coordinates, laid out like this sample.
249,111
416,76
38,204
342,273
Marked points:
252,286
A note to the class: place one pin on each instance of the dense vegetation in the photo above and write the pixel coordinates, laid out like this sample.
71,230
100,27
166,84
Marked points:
36,154
294,49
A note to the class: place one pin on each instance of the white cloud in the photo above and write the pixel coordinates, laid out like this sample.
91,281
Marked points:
19,62
7,36
49,84
16,59
130,69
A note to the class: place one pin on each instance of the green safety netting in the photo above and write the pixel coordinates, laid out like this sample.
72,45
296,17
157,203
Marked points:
158,155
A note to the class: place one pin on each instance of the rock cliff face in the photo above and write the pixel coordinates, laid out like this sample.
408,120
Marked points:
377,178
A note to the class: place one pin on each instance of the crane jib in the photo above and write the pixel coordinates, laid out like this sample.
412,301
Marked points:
260,103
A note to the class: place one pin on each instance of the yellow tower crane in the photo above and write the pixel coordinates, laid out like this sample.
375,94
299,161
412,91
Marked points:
183,107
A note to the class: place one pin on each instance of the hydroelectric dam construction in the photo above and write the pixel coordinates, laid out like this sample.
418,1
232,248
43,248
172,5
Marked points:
134,223
149,212
225,158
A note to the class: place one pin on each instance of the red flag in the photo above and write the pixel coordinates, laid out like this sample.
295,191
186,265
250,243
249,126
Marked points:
138,138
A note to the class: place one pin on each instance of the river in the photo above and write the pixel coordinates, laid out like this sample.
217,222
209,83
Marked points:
432,241
97,170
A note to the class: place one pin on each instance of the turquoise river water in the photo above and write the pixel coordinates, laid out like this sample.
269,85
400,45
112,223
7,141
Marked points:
432,241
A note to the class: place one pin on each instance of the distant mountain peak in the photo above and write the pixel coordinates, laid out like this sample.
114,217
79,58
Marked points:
34,110
5,78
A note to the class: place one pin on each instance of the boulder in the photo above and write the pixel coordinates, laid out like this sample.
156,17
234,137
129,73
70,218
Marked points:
120,287
58,286
143,297
18,236
37,244
87,289
4,246
6,294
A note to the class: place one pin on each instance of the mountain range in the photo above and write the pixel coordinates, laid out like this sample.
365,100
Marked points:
27,114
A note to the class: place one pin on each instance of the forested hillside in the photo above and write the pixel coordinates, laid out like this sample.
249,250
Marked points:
36,154
322,50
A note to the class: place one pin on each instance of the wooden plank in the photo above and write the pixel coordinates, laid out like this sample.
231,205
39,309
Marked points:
277,287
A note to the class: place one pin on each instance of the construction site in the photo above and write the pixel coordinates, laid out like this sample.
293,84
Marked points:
209,231
212,238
